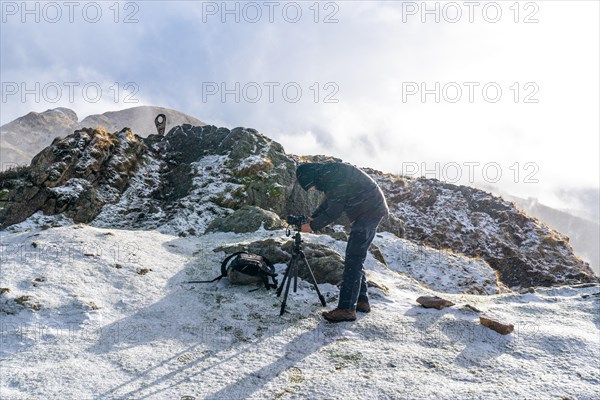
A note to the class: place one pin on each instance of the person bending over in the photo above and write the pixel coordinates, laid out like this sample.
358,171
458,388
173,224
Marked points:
350,190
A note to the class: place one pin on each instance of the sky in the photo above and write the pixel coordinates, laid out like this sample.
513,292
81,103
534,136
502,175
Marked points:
494,94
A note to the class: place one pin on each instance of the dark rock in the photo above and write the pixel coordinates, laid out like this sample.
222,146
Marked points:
392,224
502,328
472,308
377,254
434,302
143,271
23,138
22,299
585,296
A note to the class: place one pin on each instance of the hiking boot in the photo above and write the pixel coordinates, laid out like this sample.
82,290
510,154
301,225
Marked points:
339,315
363,306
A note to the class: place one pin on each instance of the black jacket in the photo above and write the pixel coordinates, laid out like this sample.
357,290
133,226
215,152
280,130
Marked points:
347,189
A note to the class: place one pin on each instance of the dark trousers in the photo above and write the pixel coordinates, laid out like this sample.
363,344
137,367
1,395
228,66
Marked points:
354,286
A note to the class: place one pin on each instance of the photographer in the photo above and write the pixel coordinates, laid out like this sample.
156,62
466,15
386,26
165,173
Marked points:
350,190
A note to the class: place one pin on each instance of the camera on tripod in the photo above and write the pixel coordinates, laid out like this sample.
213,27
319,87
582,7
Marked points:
297,221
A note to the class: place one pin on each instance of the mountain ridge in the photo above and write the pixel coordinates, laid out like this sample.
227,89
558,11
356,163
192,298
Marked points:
180,182
24,137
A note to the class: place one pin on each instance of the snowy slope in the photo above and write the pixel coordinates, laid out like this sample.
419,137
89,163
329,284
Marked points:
108,317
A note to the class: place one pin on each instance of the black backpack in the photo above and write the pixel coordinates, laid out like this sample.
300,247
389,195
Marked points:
246,268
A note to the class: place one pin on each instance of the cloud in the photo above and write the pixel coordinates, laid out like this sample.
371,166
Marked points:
362,64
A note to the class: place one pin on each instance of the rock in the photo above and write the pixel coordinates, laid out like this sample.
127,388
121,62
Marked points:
26,302
380,286
527,290
434,302
377,254
90,305
75,176
26,136
4,290
143,271
584,285
585,296
502,328
246,219
392,224
22,299
472,308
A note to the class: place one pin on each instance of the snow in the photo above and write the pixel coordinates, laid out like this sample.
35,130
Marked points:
105,331
194,212
441,270
71,190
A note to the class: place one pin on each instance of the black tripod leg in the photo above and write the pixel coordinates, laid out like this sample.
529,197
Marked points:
296,279
286,276
287,285
314,280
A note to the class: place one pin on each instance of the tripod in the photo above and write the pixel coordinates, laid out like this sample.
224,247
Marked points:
292,272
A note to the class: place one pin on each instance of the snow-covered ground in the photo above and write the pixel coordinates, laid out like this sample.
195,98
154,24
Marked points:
108,317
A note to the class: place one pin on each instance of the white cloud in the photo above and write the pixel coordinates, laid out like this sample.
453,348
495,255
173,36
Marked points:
368,55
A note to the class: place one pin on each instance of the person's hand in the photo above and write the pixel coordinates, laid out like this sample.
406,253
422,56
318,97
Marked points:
306,228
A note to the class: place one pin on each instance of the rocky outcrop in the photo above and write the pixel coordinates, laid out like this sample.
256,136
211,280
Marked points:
184,181
470,221
76,175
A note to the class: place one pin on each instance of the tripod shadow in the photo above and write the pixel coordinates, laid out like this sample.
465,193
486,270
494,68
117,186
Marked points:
209,327
292,353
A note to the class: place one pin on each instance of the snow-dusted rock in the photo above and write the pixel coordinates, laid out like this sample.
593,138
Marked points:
494,324
246,219
434,302
473,222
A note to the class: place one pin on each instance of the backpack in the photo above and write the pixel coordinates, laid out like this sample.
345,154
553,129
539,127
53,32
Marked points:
246,268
